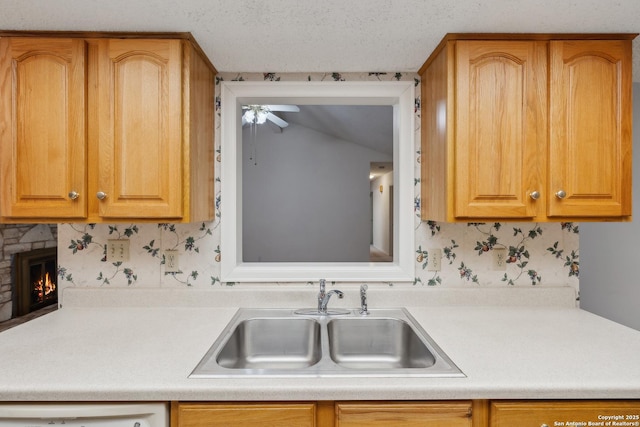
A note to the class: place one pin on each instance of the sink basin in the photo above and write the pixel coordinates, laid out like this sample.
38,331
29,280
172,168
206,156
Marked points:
377,343
272,343
280,343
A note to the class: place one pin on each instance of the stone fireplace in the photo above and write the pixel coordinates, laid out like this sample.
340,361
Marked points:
34,280
24,238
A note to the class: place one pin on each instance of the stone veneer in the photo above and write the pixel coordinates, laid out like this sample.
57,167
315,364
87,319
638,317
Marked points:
15,238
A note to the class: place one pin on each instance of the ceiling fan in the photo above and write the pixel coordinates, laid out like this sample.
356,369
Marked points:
258,114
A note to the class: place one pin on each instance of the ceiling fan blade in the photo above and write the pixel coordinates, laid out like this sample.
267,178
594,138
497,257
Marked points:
277,120
291,108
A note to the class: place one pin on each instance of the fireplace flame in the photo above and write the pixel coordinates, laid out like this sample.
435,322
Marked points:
44,286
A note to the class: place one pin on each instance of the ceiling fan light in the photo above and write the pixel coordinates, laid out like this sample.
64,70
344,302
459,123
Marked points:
256,114
261,117
249,116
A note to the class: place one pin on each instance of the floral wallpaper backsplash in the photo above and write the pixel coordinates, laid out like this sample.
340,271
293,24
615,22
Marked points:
536,254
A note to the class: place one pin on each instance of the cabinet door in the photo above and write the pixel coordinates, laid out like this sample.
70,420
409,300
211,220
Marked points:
590,145
430,414
501,110
140,128
562,413
42,128
243,415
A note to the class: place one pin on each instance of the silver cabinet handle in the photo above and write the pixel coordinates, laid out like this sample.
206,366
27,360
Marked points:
561,194
101,195
73,195
535,195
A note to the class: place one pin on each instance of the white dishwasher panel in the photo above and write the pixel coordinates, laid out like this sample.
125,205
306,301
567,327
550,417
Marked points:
84,415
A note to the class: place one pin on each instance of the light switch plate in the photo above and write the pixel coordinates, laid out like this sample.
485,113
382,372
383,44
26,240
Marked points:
118,250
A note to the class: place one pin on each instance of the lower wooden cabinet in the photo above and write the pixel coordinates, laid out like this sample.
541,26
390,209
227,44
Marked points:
273,414
322,414
556,413
403,414
467,413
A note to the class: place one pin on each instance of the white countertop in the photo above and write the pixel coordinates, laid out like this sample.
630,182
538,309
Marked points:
127,352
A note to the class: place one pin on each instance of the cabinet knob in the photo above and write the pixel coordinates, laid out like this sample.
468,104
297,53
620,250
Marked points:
535,195
73,195
101,195
561,194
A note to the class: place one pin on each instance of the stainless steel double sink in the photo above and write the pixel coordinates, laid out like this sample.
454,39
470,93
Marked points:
281,343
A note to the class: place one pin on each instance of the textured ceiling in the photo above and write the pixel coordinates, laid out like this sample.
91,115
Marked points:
324,35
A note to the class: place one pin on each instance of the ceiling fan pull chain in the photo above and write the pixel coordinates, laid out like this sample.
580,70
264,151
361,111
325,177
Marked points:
254,136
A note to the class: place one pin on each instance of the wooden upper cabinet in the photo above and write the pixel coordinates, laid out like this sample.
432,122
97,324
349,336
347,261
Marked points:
510,121
590,138
139,128
137,143
499,126
42,127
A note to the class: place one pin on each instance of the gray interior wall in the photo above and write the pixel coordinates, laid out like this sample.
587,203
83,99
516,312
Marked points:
305,197
609,254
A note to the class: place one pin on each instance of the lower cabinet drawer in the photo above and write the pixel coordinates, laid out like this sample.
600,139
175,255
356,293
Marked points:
404,414
583,413
243,414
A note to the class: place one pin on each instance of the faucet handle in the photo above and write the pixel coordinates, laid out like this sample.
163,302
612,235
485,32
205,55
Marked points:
363,300
322,285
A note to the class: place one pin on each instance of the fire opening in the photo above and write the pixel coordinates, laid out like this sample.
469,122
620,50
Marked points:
43,285
35,285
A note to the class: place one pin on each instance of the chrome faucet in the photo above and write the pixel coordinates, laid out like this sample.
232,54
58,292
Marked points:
363,300
323,297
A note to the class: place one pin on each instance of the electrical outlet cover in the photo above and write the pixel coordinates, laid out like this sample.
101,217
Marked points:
435,259
171,261
499,259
